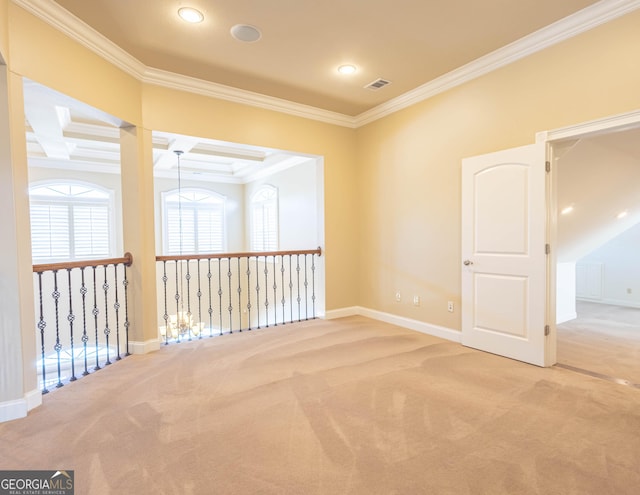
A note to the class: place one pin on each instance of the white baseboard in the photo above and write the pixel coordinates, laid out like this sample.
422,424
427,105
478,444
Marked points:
144,347
612,302
16,409
33,398
401,321
341,313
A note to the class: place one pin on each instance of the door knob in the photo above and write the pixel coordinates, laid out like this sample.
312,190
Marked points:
467,262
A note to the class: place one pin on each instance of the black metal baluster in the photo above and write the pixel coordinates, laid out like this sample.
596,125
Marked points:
249,290
306,289
199,295
266,292
95,313
189,320
41,326
70,318
209,275
313,284
85,337
116,306
220,291
58,345
125,284
298,277
107,330
230,306
239,296
258,288
165,279
290,289
275,294
177,297
284,319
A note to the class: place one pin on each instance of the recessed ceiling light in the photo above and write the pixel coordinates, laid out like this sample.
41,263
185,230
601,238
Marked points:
246,33
347,69
567,210
623,214
190,15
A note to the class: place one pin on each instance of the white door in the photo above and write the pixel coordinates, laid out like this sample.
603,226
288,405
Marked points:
504,271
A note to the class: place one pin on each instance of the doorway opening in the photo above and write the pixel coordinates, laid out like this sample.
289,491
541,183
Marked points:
595,218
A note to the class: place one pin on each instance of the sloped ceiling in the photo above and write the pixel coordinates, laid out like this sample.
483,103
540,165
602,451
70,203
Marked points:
599,177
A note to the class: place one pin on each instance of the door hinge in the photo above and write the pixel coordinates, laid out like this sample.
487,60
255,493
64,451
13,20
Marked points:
547,330
547,249
547,166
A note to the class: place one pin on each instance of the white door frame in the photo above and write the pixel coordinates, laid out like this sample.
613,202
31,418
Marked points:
605,125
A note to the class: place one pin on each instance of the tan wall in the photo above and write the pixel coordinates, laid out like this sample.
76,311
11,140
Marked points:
46,56
410,162
184,113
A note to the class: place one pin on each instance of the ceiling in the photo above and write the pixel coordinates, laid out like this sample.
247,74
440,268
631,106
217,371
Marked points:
598,180
407,42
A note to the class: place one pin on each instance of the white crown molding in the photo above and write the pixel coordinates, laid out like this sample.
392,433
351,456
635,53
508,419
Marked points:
214,90
584,20
588,18
620,122
68,24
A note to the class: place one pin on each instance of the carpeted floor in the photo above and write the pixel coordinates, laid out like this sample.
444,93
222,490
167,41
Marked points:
603,339
349,406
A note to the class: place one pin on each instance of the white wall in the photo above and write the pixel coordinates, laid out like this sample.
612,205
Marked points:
298,206
617,265
565,292
234,209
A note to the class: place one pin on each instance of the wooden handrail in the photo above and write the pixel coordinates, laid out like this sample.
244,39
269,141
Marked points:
183,257
127,259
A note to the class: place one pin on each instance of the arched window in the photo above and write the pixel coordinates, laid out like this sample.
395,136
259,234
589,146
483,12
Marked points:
70,221
193,222
264,219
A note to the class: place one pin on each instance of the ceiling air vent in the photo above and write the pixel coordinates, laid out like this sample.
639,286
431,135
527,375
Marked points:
377,84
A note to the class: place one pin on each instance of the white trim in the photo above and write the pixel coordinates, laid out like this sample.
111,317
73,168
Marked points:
16,409
33,399
13,409
401,321
610,123
332,314
214,90
611,302
583,20
144,347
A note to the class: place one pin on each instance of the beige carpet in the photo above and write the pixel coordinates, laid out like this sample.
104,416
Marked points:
348,406
604,339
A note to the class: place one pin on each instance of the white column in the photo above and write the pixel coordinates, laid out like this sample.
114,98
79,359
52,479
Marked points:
19,390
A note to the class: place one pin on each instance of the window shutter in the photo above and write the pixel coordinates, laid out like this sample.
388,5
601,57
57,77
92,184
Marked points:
264,218
210,229
50,231
91,231
181,242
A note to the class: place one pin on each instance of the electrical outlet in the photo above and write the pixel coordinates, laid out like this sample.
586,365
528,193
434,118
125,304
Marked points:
398,297
450,306
416,300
